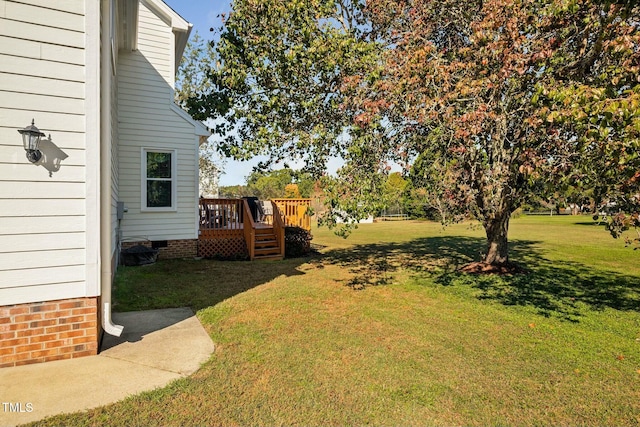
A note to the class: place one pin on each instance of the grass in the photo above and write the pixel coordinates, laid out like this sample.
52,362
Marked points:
382,330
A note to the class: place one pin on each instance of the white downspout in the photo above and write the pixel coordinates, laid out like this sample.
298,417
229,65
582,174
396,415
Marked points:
105,170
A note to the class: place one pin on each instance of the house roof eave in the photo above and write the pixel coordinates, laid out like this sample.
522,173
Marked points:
128,11
182,37
199,127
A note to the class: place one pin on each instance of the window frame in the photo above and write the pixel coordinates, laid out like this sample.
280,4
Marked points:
145,179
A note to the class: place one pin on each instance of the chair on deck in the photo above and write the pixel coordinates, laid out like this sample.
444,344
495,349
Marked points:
260,214
267,208
255,206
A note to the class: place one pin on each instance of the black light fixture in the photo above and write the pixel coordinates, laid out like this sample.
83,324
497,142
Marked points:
31,140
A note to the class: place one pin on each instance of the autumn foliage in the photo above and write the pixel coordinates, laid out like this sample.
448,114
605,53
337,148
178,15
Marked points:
509,100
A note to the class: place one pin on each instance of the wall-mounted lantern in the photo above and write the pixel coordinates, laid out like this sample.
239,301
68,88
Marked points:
31,140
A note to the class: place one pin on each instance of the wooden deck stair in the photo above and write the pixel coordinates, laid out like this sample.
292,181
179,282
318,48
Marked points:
266,245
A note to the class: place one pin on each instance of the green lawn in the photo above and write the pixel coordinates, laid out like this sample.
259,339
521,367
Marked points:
381,329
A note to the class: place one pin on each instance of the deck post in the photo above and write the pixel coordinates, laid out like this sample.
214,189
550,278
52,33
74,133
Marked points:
249,230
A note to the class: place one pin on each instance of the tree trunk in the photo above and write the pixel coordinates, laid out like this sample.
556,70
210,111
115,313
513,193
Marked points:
497,229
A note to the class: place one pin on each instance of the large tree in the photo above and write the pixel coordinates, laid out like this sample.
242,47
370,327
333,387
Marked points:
477,89
508,97
458,84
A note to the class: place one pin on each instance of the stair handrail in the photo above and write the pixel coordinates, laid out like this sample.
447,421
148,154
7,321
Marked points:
249,227
278,227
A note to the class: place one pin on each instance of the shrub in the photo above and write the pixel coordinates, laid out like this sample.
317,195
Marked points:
297,242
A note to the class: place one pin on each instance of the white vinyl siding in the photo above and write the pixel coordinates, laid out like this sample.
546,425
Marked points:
48,291
146,120
42,209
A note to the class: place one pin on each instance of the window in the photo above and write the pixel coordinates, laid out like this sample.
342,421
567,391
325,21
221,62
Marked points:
159,179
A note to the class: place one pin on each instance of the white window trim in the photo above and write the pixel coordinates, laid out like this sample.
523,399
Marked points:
174,180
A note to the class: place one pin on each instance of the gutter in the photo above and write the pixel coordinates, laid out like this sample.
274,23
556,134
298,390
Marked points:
105,173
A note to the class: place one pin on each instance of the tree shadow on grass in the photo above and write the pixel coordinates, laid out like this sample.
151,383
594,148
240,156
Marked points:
561,289
194,283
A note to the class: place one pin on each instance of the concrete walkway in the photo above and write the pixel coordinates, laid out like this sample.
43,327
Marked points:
156,347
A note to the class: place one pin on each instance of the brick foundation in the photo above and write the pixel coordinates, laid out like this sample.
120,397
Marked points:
46,331
185,248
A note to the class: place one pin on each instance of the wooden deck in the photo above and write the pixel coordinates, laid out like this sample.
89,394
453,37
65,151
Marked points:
232,228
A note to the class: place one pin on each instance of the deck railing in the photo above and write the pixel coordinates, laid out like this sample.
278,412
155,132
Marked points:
295,212
221,218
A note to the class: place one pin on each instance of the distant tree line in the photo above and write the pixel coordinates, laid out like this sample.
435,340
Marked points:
282,183
410,195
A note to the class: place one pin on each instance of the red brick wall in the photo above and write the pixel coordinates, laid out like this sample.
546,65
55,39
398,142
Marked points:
186,248
45,331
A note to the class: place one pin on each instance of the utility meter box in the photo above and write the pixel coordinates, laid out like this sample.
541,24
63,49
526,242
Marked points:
120,210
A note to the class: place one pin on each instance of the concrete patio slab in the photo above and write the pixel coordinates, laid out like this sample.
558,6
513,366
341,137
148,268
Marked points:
156,347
